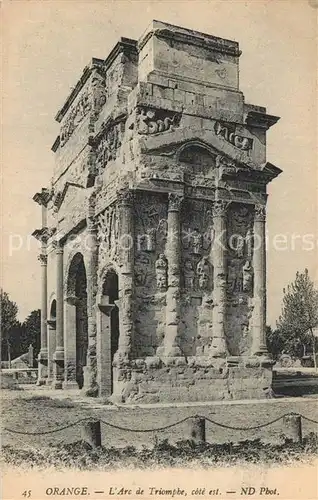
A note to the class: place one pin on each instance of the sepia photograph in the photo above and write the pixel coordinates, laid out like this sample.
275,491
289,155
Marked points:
159,257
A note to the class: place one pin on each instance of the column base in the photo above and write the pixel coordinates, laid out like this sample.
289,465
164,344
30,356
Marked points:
90,388
58,370
218,348
57,384
70,384
42,368
41,381
173,351
259,350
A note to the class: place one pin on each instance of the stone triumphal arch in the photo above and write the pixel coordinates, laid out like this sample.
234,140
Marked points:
153,228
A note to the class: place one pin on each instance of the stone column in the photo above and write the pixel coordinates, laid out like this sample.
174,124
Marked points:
259,267
171,344
43,354
58,358
70,375
91,242
126,279
218,249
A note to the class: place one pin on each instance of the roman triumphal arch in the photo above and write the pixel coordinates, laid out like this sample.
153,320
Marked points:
153,229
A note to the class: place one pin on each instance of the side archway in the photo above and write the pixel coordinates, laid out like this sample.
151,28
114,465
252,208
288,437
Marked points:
108,329
76,331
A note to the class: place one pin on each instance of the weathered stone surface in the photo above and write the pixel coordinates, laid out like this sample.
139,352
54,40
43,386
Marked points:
149,228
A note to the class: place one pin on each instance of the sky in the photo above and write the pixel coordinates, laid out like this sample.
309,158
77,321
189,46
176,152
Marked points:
46,45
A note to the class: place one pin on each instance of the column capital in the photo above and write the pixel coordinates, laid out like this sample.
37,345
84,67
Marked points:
91,224
125,197
58,247
175,201
43,259
219,208
260,213
43,197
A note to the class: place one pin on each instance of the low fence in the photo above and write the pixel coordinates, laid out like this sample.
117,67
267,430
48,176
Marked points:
91,428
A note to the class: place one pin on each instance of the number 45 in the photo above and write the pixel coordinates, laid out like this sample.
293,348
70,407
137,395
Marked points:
26,493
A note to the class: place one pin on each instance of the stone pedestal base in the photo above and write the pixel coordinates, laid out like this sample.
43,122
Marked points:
70,384
218,348
42,368
58,370
89,389
196,380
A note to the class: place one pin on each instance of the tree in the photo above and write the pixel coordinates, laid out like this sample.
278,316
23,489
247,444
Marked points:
8,314
299,316
31,332
276,342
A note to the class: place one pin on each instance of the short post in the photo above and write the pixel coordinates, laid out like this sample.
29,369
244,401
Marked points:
292,428
197,429
91,433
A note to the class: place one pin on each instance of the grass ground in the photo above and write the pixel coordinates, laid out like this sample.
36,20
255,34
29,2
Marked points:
36,412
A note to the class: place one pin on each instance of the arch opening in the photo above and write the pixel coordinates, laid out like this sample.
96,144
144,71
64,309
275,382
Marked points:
110,328
77,318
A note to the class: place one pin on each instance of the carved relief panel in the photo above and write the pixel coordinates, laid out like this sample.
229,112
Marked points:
150,234
196,238
240,249
239,277
108,236
108,144
151,269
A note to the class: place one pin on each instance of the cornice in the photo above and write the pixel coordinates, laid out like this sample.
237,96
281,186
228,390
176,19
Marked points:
126,45
176,33
260,120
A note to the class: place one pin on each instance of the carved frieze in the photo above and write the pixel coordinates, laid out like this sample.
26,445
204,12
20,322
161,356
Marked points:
109,143
75,116
227,131
148,121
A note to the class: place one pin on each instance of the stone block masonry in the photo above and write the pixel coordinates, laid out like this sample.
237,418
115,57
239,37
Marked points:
153,230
